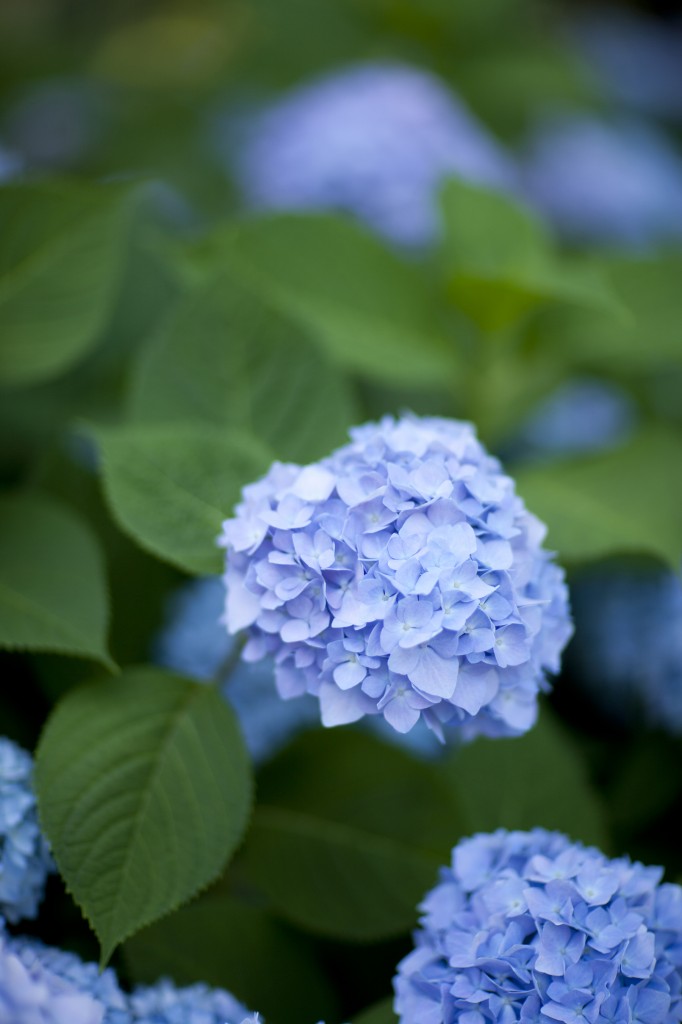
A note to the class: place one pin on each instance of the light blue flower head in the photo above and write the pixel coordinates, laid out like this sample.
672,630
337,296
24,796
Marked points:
31,994
530,927
400,576
612,183
24,855
163,1003
374,140
628,647
84,978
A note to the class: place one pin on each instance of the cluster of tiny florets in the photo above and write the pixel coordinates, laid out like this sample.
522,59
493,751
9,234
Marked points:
24,855
374,140
529,927
401,576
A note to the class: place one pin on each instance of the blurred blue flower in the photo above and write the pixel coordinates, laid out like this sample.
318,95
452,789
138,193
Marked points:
612,183
55,122
163,1003
583,415
628,645
30,993
401,576
374,140
24,855
528,926
637,60
194,643
11,164
85,978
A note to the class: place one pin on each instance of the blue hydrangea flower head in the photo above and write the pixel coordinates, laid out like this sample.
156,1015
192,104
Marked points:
401,576
584,414
24,855
530,927
637,60
193,642
374,140
628,646
612,183
32,994
163,1003
84,978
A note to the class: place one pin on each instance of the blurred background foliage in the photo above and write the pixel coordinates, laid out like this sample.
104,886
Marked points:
160,343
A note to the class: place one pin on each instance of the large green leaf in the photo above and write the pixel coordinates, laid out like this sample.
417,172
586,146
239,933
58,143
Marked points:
626,500
650,338
224,358
53,594
374,313
144,791
348,835
500,263
224,942
60,259
170,487
381,1012
539,779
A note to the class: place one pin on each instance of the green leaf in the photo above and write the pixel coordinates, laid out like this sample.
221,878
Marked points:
223,942
224,358
375,314
378,1013
651,337
348,835
60,257
626,500
144,791
536,780
170,487
53,593
500,261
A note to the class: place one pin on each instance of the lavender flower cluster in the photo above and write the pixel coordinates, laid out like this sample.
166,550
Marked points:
374,140
527,926
25,859
400,576
42,985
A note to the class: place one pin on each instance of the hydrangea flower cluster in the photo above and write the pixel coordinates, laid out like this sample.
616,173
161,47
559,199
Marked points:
374,140
39,980
617,183
32,994
628,648
584,414
528,926
163,1003
400,576
24,855
193,642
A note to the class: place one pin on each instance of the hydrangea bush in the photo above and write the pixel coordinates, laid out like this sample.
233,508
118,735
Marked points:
400,576
529,926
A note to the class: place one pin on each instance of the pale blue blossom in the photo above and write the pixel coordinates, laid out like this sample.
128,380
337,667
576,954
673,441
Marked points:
25,859
637,59
628,646
435,599
375,140
32,994
616,182
584,414
163,1003
528,926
